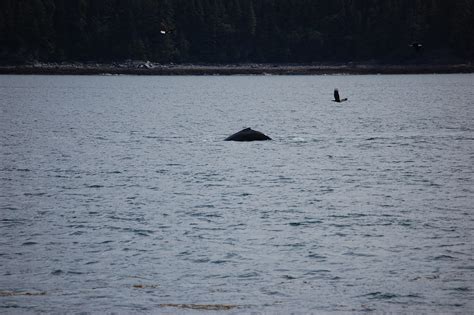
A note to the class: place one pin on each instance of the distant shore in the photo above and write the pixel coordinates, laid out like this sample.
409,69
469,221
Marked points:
148,68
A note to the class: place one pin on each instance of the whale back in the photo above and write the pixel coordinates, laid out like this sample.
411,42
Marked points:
248,134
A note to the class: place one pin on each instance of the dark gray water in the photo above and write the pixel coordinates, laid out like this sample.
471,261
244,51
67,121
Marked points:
118,193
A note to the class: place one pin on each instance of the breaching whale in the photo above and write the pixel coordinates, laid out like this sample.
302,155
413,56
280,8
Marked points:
248,134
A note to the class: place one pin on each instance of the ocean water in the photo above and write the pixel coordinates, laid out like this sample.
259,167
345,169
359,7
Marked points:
118,194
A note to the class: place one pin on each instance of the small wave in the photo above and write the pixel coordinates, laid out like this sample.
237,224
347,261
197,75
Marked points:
124,218
218,261
248,275
174,164
204,206
348,215
202,307
73,272
305,223
142,232
358,254
274,293
291,245
245,194
29,243
76,233
23,170
24,293
461,289
406,223
57,272
231,255
299,139
388,296
444,257
466,267
35,194
317,272
373,235
316,256
94,186
341,225
380,295
145,286
154,137
12,220
427,277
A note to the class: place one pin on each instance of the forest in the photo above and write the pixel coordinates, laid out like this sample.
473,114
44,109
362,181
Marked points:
237,31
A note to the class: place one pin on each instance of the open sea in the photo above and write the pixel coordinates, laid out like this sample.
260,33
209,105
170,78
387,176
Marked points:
118,194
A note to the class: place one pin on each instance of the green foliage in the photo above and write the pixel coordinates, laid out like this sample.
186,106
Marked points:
232,31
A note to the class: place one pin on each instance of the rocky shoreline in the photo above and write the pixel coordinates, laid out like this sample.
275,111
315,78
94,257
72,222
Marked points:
149,68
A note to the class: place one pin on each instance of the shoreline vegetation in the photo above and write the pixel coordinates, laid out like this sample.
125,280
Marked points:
149,68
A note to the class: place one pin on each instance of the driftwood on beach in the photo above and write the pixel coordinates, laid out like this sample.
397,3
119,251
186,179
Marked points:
148,68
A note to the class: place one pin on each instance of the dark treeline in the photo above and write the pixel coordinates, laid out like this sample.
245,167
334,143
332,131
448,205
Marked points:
231,31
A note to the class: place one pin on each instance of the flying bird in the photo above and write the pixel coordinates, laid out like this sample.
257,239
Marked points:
337,98
417,46
165,29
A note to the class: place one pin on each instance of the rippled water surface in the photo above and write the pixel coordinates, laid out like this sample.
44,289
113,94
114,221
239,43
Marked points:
118,194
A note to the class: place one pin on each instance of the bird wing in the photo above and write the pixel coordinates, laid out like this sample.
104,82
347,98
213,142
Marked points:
336,96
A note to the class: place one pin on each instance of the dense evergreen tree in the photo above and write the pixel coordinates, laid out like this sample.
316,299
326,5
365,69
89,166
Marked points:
236,30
